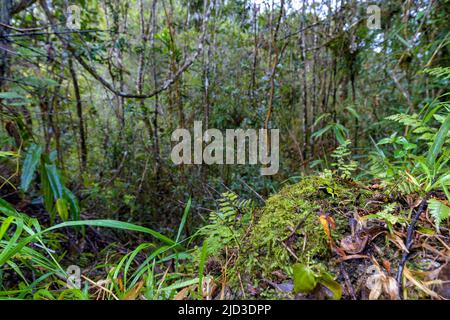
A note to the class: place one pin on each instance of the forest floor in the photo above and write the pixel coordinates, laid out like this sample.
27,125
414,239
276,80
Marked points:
321,238
340,239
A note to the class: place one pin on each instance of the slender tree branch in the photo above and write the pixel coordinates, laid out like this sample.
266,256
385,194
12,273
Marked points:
21,5
188,62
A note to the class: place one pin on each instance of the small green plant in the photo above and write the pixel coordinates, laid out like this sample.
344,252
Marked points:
439,211
225,224
340,132
388,217
306,279
57,198
417,161
344,165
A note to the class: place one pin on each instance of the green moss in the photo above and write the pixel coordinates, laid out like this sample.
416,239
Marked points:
296,207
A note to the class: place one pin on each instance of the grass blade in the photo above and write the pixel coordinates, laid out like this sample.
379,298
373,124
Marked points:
183,219
30,163
438,142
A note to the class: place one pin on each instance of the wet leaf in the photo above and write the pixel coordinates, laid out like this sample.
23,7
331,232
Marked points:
304,279
326,227
335,287
30,163
354,244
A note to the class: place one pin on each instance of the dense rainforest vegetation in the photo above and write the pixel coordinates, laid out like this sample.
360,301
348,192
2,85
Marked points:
92,205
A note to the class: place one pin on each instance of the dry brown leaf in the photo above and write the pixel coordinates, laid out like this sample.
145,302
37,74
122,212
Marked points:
209,287
182,293
390,286
397,241
120,282
326,227
419,284
374,283
387,265
354,244
378,282
133,293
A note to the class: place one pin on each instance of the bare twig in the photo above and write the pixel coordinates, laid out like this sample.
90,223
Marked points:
409,240
253,190
32,34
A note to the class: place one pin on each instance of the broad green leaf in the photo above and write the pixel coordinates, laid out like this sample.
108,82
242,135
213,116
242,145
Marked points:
399,153
46,191
5,225
61,207
304,278
438,142
54,180
152,257
43,294
319,118
181,284
385,141
447,193
113,224
130,259
73,294
16,268
30,163
353,112
30,53
7,208
73,204
426,231
10,249
16,99
320,132
335,288
40,82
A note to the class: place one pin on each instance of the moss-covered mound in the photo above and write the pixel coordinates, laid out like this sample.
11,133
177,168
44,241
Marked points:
292,227
346,236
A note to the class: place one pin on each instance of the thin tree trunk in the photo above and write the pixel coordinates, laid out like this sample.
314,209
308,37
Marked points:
305,86
141,69
273,65
255,58
76,89
156,105
5,19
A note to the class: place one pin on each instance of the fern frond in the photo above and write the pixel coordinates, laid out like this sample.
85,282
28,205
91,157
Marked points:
438,211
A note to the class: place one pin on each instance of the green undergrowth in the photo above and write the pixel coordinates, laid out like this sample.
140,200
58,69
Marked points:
291,218
259,245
